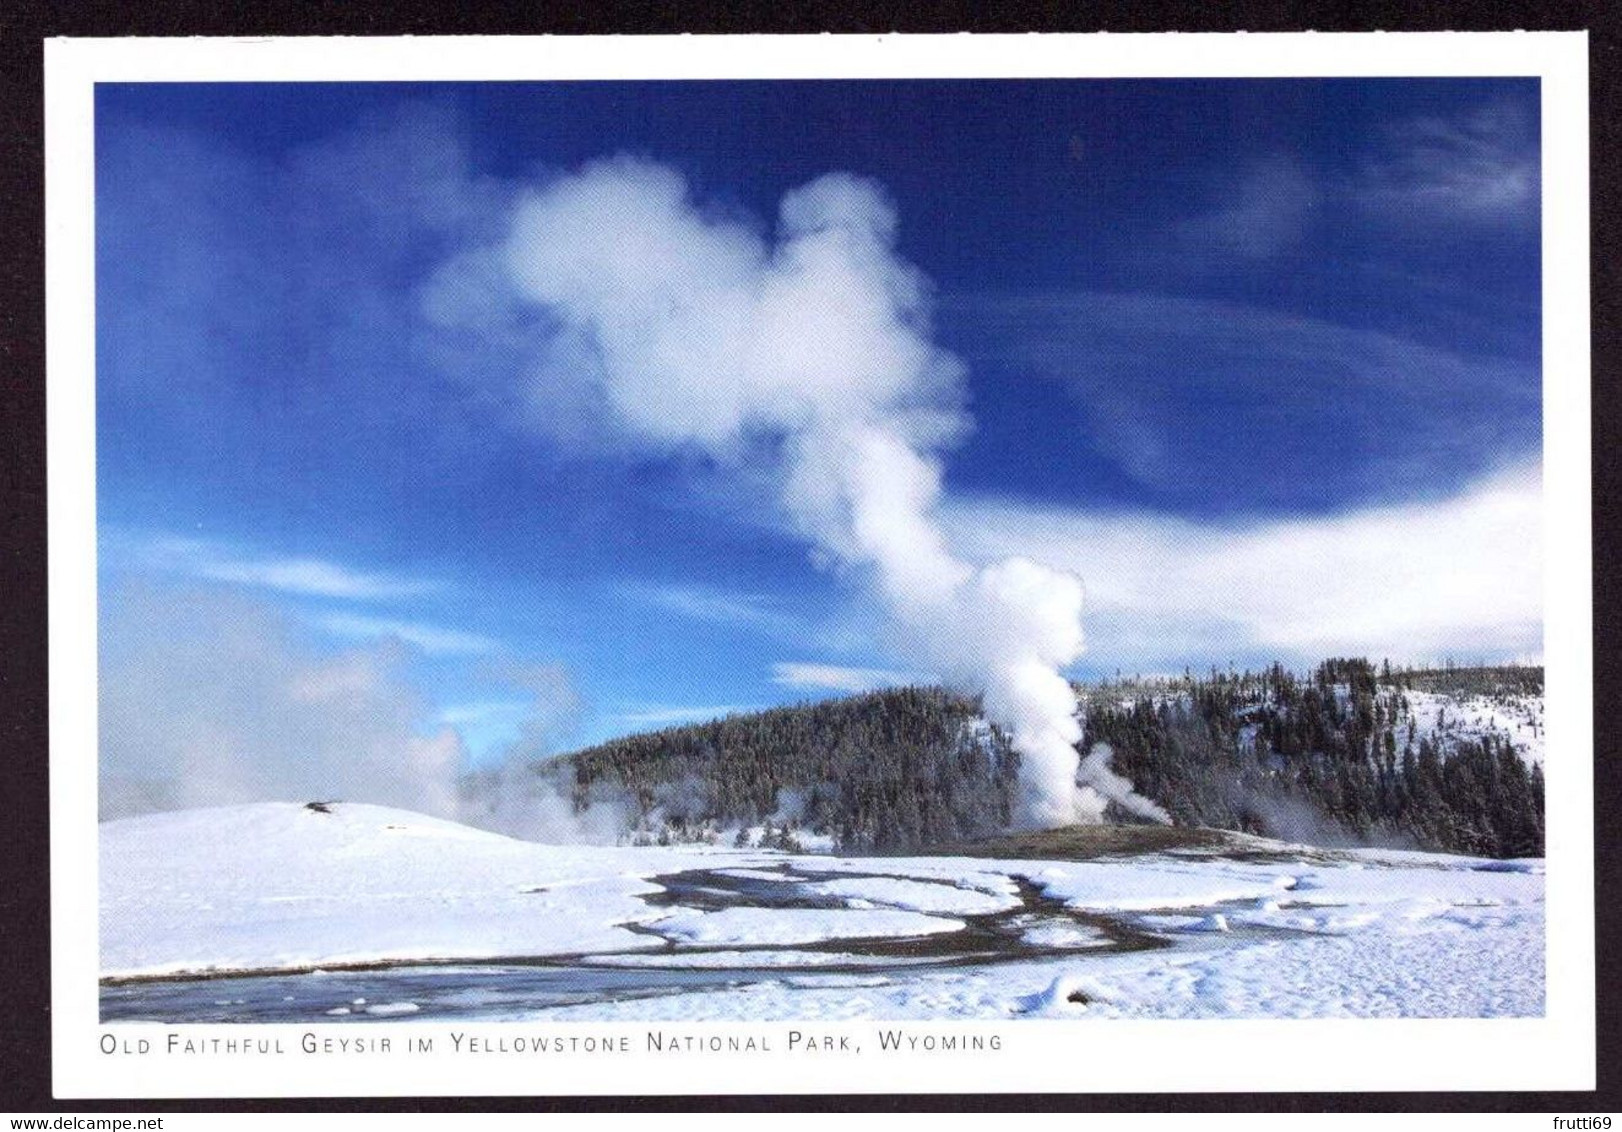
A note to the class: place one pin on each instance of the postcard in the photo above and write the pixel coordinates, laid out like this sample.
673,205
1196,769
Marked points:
834,564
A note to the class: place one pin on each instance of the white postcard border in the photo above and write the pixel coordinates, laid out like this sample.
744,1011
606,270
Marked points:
1554,1052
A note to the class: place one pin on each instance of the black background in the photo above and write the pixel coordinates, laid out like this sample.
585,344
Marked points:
25,1018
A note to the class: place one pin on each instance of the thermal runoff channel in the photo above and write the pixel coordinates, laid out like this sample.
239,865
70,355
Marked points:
813,354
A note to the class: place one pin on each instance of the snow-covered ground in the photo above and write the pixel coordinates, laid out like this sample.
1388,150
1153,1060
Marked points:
1286,933
277,885
923,896
1454,718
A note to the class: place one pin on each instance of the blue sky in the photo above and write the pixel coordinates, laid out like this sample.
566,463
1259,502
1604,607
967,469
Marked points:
1259,360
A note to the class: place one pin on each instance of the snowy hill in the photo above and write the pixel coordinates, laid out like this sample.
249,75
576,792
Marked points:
280,885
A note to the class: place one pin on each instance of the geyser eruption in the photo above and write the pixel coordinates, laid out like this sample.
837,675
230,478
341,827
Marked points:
815,351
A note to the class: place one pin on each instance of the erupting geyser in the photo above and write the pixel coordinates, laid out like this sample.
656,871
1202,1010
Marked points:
815,353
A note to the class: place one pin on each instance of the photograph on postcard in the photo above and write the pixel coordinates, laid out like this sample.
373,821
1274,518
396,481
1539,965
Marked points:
724,550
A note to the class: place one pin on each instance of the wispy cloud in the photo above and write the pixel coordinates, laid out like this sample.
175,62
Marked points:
717,606
670,715
305,576
223,249
1470,168
314,577
434,639
836,677
1460,576
553,706
483,712
1263,213
1479,166
516,730
1179,392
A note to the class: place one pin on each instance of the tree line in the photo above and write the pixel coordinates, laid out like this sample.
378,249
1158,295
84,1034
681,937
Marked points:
1337,756
1331,756
889,770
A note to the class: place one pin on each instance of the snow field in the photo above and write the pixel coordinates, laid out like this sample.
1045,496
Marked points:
279,886
1366,933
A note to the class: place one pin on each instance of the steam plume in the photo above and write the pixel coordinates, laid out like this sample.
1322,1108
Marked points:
816,352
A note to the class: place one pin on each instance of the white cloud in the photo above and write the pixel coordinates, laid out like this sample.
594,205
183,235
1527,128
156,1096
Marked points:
1266,212
430,638
311,576
717,606
209,698
1479,166
306,576
836,677
700,333
484,712
1460,576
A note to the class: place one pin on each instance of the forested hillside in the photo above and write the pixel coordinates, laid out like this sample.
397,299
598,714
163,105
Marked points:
888,770
1348,754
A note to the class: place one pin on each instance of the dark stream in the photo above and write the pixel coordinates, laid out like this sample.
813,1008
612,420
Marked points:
489,989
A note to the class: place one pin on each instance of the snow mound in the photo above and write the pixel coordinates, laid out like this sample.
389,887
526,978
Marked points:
288,886
915,895
1077,936
1065,996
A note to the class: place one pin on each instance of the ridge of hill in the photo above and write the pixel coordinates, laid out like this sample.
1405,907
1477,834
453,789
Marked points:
1446,759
